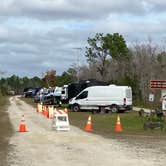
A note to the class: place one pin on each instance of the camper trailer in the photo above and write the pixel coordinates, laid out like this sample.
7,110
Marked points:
110,98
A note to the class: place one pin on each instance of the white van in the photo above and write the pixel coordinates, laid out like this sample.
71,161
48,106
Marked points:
103,99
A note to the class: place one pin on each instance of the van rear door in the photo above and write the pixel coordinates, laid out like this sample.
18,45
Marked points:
128,96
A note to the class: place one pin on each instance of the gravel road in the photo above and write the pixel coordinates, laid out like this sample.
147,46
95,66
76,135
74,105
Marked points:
43,146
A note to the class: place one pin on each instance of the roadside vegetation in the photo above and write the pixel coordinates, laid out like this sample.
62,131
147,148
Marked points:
111,60
5,128
104,124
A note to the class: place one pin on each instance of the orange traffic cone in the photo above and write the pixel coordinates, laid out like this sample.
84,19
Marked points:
37,107
88,126
65,110
22,125
118,127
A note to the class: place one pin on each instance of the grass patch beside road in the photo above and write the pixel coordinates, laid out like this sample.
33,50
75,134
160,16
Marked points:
5,129
29,101
104,124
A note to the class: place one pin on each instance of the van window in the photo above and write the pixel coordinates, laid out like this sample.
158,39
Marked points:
128,93
63,92
83,95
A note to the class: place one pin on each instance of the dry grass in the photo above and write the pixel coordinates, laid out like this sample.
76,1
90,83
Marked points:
5,129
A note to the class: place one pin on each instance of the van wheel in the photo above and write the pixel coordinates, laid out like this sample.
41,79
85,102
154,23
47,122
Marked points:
75,108
114,109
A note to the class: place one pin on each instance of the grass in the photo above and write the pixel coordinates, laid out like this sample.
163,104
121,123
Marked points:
3,101
104,124
5,129
29,101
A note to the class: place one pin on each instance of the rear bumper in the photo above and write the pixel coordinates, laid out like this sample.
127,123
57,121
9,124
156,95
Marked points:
126,108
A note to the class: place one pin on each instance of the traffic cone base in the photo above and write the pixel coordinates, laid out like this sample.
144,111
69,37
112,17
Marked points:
118,127
22,127
88,126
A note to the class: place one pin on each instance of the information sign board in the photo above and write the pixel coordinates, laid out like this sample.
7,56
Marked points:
158,84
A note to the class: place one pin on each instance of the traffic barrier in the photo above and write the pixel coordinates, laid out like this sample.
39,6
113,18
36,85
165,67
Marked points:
88,126
60,120
40,107
118,127
37,107
66,110
46,111
22,127
43,109
50,111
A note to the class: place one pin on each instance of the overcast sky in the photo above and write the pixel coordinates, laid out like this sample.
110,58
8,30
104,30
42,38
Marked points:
38,35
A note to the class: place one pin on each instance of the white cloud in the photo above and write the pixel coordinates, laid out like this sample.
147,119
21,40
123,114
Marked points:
69,9
39,34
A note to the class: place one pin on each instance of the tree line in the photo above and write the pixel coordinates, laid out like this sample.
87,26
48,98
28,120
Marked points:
109,59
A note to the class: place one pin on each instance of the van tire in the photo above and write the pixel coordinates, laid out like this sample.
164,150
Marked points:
114,109
75,108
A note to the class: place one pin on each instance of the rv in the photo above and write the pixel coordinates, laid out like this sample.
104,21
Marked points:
102,99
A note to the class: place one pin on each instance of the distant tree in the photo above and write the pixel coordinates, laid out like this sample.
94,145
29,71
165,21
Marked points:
161,60
3,86
145,67
102,49
37,82
49,77
116,45
97,53
67,77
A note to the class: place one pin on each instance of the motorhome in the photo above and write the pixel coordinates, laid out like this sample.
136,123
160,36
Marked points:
110,98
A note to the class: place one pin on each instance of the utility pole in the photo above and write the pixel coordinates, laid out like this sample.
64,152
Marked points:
78,49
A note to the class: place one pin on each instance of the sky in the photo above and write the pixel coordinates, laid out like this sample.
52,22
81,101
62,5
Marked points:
40,35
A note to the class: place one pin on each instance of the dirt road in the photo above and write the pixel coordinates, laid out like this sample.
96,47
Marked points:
42,146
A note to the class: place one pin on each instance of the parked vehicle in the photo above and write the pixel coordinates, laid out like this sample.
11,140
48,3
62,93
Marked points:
102,99
73,89
51,99
30,91
64,93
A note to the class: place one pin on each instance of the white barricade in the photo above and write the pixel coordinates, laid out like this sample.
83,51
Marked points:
60,120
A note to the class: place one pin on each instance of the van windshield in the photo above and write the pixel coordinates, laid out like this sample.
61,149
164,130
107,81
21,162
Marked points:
83,95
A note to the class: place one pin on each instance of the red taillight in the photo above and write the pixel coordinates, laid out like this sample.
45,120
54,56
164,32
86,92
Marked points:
124,101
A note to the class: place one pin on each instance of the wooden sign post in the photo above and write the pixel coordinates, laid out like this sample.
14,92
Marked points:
160,84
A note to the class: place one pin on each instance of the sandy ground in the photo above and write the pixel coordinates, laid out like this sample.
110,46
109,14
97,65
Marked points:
43,146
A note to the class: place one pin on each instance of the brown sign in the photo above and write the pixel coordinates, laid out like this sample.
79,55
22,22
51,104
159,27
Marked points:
158,84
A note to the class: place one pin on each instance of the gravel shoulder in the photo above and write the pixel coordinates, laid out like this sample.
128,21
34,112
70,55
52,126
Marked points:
43,146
